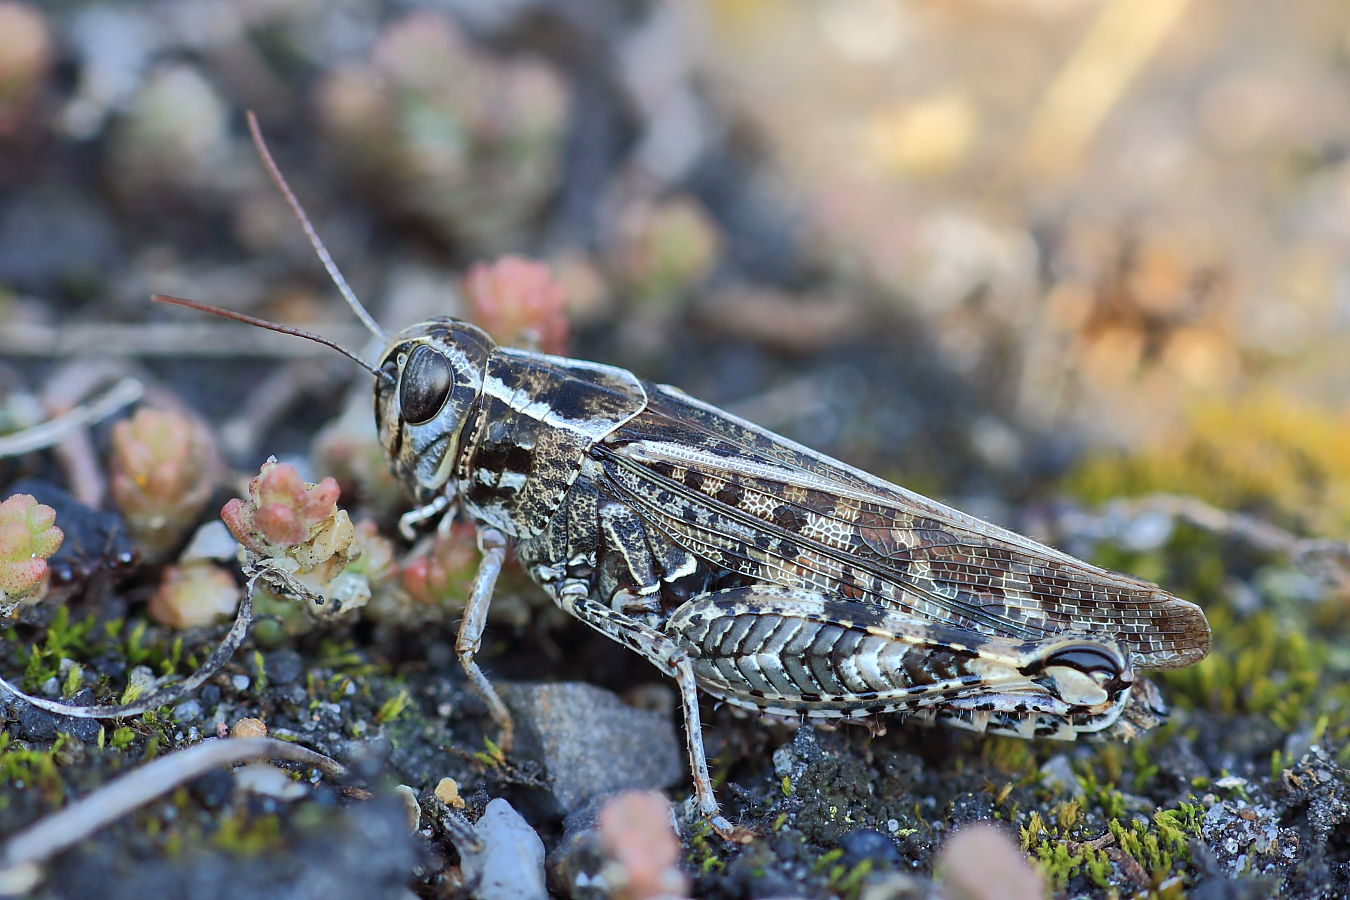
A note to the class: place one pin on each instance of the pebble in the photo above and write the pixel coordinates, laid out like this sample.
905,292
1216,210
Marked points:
1057,774
34,724
37,724
412,807
283,667
187,711
588,741
240,682
212,541
266,780
869,844
508,861
214,788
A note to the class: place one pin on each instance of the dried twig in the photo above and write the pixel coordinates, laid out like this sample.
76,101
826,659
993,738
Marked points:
1255,532
162,339
119,395
28,849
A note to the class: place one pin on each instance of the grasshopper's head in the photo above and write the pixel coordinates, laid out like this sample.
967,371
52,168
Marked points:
425,398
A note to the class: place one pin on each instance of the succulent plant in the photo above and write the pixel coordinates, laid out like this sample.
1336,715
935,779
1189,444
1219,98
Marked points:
193,594
28,538
436,578
666,248
349,448
519,302
162,472
25,59
441,574
463,141
287,519
643,849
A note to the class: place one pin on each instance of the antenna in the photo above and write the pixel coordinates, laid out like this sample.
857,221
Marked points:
271,326
319,249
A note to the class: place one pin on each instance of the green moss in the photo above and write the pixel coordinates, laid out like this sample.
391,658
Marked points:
1266,665
122,737
846,881
25,769
41,658
245,836
705,848
1161,848
392,708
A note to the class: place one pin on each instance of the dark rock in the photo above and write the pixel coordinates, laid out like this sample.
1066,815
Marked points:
588,741
869,844
210,695
1315,797
34,724
283,666
575,863
968,807
85,730
214,789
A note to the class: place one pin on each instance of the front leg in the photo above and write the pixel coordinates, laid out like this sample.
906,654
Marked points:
671,659
492,544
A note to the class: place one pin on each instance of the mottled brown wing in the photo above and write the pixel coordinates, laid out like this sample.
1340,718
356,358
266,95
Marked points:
750,501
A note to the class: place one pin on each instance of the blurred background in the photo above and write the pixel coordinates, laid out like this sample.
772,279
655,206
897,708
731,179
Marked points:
992,249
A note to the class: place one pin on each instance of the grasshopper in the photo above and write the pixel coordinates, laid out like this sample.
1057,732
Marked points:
747,566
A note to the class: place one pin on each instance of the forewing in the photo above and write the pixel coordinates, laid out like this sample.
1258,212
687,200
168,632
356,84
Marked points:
751,502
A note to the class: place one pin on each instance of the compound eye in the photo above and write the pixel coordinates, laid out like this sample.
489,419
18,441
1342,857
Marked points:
1089,659
426,383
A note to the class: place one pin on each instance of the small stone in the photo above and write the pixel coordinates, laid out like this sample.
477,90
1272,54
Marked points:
868,844
1057,774
34,724
214,788
508,861
589,741
212,541
412,807
266,780
576,861
84,730
249,727
39,725
447,791
187,711
283,666
240,682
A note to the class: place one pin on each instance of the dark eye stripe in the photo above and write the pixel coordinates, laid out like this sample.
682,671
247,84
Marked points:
426,383
1089,659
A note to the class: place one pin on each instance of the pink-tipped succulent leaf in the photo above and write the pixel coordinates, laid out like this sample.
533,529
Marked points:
28,538
519,302
162,471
